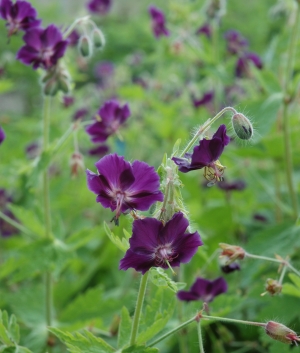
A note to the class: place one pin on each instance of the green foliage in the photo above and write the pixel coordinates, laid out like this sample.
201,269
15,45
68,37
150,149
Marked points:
161,279
139,349
10,334
292,289
124,328
82,343
122,243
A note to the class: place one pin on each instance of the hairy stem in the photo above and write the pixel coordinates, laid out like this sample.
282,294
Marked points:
138,308
200,339
205,127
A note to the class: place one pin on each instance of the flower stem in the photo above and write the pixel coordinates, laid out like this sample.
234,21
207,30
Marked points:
201,348
205,127
138,308
286,263
161,338
16,225
282,274
47,214
286,125
226,319
74,24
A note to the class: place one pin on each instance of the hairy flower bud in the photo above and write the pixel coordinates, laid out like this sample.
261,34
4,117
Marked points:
281,333
232,252
98,38
51,87
242,126
85,46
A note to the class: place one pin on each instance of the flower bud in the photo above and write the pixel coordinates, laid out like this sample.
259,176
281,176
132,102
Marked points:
85,46
232,252
242,126
51,87
98,38
281,333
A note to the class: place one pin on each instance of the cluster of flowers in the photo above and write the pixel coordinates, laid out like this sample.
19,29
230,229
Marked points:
125,187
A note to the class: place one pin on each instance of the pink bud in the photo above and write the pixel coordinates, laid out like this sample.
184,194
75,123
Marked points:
281,333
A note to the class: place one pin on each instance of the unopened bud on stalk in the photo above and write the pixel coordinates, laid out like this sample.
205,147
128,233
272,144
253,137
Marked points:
242,126
85,46
51,87
232,252
98,38
281,333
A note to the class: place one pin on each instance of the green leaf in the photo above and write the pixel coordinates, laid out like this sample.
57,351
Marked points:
122,244
79,239
124,328
295,279
176,147
88,306
29,219
140,349
82,343
161,279
290,289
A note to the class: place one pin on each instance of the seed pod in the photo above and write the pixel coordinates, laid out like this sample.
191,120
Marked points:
242,126
281,333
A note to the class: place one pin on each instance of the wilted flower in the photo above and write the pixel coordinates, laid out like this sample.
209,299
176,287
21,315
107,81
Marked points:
281,333
32,150
232,252
99,7
73,38
205,29
236,43
206,155
273,287
204,290
76,164
99,151
121,186
242,65
112,115
80,114
158,22
2,135
237,185
231,267
19,15
204,100
154,244
43,47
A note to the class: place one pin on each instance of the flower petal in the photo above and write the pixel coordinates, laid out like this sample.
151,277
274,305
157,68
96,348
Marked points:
139,262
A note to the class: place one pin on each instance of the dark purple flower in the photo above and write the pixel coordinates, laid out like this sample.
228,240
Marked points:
204,290
242,64
73,38
100,7
2,135
236,185
121,186
80,114
112,115
19,16
205,99
154,245
231,267
158,22
260,218
206,155
6,229
99,151
68,101
236,43
43,47
205,29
